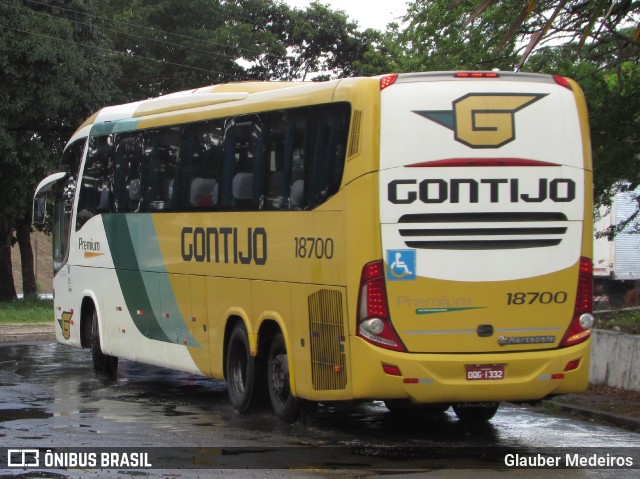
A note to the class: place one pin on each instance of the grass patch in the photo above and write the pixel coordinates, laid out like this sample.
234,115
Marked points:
26,311
624,321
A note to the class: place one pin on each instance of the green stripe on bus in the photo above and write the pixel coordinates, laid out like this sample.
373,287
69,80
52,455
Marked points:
130,277
144,240
108,127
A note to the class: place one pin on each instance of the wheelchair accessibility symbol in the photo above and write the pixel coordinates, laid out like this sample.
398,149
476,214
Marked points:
401,264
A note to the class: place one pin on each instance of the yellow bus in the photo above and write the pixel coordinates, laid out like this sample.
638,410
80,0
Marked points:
420,239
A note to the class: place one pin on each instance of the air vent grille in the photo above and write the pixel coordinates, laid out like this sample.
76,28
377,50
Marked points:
354,143
482,231
326,330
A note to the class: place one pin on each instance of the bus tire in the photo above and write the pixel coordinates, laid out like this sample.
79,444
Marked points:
103,365
240,369
285,406
475,412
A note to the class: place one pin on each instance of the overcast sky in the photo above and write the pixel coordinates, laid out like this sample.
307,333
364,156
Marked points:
368,13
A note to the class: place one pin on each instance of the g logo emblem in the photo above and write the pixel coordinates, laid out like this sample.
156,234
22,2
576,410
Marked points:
481,120
65,324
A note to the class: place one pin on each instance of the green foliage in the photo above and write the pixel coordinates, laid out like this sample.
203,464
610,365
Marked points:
615,124
300,43
438,36
26,311
173,45
48,57
624,321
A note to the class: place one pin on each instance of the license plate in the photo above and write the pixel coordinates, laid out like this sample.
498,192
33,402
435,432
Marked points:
483,372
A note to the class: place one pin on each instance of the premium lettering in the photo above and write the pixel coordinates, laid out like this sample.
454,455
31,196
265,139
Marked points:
88,245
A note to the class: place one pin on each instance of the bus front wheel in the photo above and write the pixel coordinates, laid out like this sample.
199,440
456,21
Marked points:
285,406
103,365
240,369
475,412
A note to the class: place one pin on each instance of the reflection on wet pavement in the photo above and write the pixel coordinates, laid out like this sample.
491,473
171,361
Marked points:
49,395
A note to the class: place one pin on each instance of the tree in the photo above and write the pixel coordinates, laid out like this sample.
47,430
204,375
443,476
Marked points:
438,36
172,45
56,68
64,59
317,42
580,22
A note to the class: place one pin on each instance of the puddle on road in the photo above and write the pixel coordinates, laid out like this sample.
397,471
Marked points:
26,413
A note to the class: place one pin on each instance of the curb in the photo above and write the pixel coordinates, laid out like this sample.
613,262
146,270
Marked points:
27,332
620,420
28,337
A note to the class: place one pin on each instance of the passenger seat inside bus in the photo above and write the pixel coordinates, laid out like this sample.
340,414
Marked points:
296,197
201,194
242,189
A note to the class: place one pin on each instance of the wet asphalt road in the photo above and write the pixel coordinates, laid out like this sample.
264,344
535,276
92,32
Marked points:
49,397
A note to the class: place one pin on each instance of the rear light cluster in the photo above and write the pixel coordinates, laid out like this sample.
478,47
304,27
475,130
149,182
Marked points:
562,81
388,80
476,75
582,321
374,324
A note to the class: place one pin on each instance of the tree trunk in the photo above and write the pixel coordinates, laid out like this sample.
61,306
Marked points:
7,286
23,233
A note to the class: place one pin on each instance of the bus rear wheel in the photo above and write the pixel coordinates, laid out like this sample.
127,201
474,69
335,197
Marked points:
475,412
285,406
240,369
103,365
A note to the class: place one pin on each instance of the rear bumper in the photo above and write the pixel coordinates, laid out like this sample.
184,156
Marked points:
436,378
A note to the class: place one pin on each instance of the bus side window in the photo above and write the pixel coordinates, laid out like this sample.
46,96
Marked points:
278,156
127,174
299,138
95,189
63,206
327,147
243,169
162,153
200,165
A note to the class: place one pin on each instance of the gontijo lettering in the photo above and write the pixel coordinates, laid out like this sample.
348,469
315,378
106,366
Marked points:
224,245
468,190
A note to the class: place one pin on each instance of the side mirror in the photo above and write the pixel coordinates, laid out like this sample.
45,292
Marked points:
39,209
40,197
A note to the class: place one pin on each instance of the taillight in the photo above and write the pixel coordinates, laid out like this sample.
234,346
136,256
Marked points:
562,81
476,75
388,80
580,328
374,324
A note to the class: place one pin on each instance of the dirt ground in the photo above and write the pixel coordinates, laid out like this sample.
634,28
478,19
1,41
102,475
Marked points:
600,403
605,398
41,245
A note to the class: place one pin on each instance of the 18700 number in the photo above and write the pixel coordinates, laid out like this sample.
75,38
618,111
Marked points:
537,297
311,247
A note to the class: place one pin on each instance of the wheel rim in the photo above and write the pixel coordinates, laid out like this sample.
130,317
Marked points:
279,377
238,361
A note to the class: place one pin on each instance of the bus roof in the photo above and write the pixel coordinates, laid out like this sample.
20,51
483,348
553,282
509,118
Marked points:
194,98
